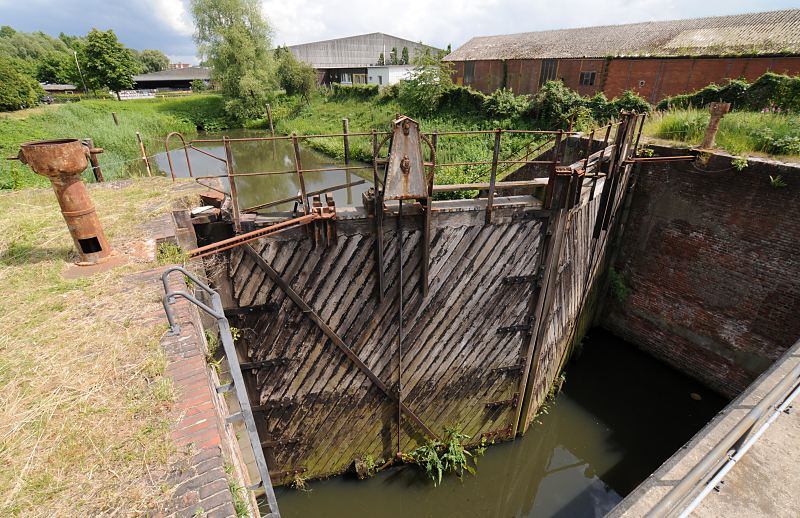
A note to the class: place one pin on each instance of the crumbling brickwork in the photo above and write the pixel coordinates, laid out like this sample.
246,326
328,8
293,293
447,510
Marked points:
710,256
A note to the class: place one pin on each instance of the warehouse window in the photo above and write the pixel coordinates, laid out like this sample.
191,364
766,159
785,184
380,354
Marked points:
469,72
549,67
587,78
346,78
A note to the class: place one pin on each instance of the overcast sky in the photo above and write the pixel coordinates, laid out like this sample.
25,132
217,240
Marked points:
166,24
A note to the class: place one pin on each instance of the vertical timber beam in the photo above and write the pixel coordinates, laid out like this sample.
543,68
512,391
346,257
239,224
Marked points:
298,165
493,176
347,174
377,220
544,300
237,224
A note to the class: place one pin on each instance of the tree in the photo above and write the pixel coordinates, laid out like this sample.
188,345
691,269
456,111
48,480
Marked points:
296,77
404,57
393,56
106,62
17,90
58,68
153,61
381,59
235,40
431,78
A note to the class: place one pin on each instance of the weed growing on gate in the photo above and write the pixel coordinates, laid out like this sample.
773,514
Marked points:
437,458
777,181
739,163
619,288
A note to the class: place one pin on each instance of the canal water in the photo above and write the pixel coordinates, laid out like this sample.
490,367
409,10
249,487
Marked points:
619,416
267,156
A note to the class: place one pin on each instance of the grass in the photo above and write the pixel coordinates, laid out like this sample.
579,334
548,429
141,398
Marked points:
324,115
153,118
84,403
774,134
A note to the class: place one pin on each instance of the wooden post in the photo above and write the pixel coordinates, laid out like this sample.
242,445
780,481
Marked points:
718,110
114,116
237,225
269,118
98,173
144,154
346,140
493,176
298,166
377,219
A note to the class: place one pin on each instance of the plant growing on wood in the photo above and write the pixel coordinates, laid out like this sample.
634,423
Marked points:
739,163
170,253
777,181
436,458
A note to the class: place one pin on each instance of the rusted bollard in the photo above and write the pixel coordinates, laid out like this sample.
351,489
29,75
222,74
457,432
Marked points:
718,110
62,162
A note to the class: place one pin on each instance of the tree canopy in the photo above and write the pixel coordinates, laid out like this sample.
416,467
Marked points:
17,89
152,61
235,40
296,77
107,62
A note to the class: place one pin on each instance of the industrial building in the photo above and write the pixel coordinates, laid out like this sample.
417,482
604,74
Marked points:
347,60
172,79
654,59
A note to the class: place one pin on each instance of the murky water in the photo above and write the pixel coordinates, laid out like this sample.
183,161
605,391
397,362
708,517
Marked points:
620,415
261,156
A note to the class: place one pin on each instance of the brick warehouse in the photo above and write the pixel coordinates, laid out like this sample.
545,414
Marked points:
655,59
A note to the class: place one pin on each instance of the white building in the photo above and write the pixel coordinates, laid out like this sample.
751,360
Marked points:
388,74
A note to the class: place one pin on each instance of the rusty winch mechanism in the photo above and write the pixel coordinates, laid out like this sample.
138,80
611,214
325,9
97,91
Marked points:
62,162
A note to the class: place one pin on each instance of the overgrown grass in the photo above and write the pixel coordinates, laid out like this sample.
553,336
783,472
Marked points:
153,118
739,132
84,403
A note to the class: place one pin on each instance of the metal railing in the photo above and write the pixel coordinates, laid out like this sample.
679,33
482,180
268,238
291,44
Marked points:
707,473
238,385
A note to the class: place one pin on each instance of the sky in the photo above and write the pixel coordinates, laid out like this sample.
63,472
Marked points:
166,25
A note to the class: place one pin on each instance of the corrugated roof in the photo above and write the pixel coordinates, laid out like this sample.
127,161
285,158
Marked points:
176,74
772,32
354,51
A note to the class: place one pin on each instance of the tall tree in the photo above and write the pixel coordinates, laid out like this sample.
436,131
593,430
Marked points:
393,56
17,89
296,77
404,56
153,61
381,59
235,40
106,62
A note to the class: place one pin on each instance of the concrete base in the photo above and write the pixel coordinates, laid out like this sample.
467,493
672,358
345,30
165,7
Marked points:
77,271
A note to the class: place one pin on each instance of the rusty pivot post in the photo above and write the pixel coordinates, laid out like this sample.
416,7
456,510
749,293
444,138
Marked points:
62,162
718,110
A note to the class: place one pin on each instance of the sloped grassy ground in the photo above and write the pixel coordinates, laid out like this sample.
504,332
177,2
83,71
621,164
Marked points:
84,403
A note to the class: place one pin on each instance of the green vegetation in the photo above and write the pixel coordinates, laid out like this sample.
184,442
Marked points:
295,77
17,90
153,118
770,92
170,253
107,63
739,132
235,40
777,181
619,288
436,458
90,434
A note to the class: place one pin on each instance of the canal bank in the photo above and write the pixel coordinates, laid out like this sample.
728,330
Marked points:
591,445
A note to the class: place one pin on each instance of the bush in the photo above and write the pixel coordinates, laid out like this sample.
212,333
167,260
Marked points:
630,101
17,90
358,92
554,105
601,109
766,92
769,92
198,85
462,99
422,93
294,76
503,104
388,92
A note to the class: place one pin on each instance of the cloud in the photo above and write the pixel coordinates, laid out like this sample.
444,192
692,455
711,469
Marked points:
174,14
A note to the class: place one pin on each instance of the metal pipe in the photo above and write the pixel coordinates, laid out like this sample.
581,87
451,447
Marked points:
724,445
739,454
493,176
169,158
297,197
400,323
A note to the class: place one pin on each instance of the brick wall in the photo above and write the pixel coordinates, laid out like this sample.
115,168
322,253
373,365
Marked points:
661,77
712,261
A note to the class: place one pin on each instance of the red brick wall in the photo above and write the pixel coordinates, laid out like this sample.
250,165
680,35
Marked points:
713,265
666,77
662,77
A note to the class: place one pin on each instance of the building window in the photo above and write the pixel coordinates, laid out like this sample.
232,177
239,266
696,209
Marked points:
346,78
549,67
359,79
469,72
587,78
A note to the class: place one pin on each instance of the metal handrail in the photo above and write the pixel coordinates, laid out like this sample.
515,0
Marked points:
732,445
217,311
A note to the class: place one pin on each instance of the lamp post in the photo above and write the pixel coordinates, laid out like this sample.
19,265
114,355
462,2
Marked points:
75,54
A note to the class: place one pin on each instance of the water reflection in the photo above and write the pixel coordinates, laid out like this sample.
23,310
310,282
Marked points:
266,156
620,416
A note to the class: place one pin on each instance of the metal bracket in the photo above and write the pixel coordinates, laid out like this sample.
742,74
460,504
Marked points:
518,279
513,402
513,328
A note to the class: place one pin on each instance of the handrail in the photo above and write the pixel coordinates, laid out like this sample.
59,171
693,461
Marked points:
732,444
217,311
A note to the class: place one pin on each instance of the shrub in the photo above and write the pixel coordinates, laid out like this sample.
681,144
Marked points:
602,110
774,92
422,93
294,76
503,104
17,90
555,104
198,85
388,92
765,92
630,101
462,99
358,92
